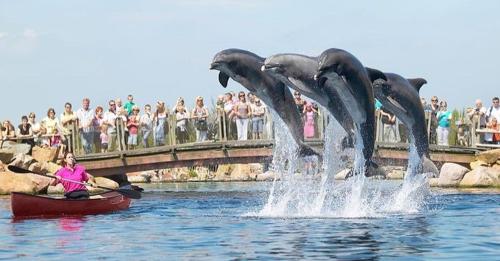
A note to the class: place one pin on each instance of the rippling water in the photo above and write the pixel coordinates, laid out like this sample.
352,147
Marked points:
194,221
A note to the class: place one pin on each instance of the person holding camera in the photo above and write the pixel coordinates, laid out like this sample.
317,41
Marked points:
478,115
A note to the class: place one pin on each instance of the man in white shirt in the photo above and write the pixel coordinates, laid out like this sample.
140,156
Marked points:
85,117
110,120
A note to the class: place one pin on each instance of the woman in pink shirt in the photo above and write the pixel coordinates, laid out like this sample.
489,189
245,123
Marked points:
75,172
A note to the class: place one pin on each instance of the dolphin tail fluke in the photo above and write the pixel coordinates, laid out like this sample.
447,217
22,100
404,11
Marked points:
429,167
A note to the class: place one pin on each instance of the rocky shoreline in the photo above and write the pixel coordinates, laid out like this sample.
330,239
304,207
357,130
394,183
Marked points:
484,172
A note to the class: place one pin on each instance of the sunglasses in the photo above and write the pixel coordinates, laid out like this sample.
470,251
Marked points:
31,117
112,105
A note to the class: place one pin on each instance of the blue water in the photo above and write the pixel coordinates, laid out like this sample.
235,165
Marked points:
197,221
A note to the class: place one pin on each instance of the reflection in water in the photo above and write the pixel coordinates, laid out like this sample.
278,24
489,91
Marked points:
69,239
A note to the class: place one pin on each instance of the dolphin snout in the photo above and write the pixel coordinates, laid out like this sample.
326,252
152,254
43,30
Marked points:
214,65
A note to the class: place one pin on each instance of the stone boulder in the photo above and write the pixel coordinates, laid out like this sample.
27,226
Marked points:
342,174
6,154
223,172
57,189
489,156
45,154
16,148
242,172
451,174
396,174
103,182
266,176
50,167
481,177
478,163
11,182
22,160
41,183
433,182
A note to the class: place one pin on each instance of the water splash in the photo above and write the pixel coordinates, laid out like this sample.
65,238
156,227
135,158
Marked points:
298,195
411,196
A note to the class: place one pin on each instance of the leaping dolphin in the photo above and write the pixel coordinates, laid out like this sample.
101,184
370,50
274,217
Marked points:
297,71
401,97
245,68
345,72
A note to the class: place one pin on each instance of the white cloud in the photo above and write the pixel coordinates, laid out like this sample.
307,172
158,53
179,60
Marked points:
3,35
30,33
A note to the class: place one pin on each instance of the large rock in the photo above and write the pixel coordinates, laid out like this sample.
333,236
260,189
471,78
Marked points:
433,182
266,176
6,154
50,167
481,177
396,174
223,172
242,172
342,174
22,160
489,156
451,174
11,182
478,163
16,147
58,189
103,182
41,183
45,154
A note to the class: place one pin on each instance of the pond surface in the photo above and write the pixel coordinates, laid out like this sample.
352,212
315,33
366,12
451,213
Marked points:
221,221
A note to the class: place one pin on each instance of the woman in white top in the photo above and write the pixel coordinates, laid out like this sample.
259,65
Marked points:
146,124
200,115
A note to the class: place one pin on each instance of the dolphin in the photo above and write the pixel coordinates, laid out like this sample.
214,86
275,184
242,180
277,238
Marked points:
401,97
297,71
345,72
244,67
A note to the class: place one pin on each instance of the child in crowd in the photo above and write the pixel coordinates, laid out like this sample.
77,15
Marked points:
493,125
133,127
104,138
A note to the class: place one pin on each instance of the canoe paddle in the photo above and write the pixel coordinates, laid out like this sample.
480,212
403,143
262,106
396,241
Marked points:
129,193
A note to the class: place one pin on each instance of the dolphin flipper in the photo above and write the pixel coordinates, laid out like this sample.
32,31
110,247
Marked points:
223,79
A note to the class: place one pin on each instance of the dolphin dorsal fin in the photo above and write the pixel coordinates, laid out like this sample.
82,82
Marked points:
417,83
375,74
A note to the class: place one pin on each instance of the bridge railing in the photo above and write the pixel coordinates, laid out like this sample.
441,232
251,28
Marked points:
221,128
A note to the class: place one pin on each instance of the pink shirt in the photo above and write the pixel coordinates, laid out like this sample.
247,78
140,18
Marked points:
77,174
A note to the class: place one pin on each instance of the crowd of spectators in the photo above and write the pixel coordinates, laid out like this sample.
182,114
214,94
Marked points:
244,115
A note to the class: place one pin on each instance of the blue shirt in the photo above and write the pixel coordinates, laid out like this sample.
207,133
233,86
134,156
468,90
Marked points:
378,105
443,119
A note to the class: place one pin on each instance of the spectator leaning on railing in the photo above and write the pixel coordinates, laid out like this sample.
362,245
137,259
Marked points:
242,112
8,131
110,121
24,131
146,123
258,111
478,115
85,117
200,115
444,118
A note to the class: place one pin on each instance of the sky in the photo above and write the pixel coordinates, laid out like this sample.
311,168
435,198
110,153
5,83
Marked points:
58,51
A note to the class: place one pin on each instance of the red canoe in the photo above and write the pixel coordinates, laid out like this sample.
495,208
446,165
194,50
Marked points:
26,205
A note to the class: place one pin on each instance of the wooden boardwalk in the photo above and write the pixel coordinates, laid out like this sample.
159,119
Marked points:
251,151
